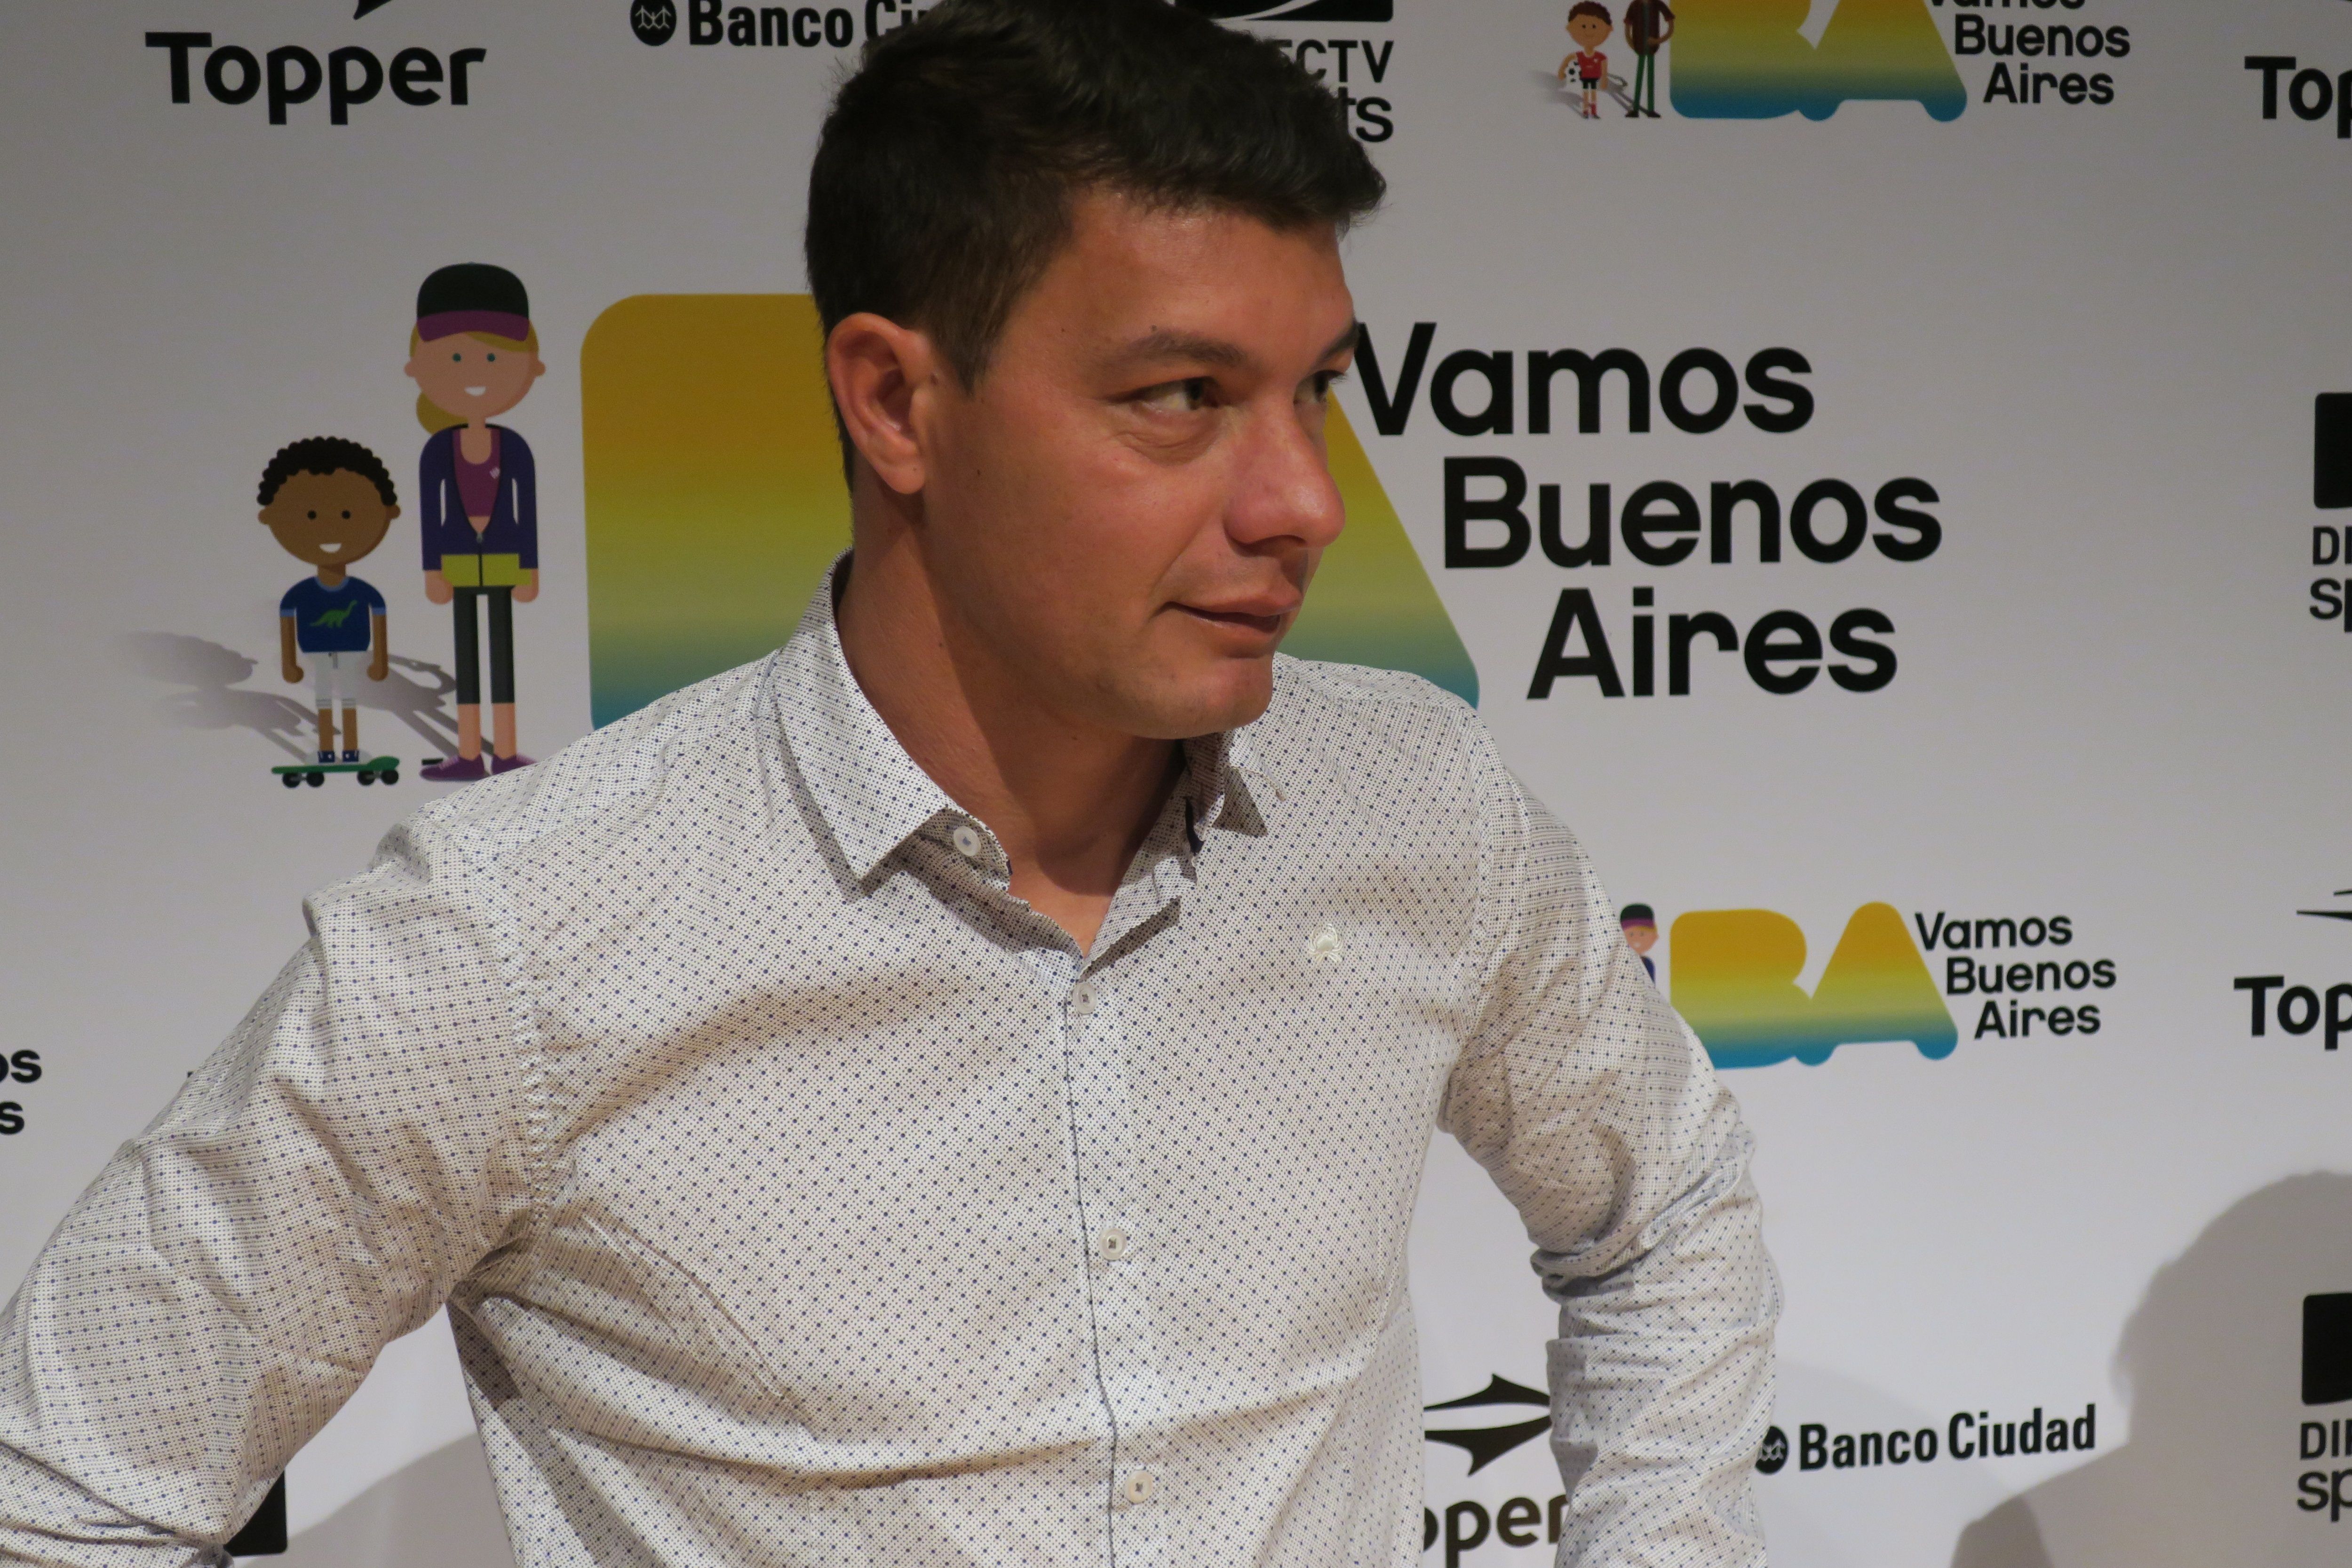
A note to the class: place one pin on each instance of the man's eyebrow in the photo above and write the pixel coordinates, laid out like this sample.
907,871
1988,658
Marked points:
1165,344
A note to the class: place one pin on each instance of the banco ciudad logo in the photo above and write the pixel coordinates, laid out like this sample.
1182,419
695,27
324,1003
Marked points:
654,21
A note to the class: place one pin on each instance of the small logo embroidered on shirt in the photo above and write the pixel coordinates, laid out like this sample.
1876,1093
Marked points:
1323,947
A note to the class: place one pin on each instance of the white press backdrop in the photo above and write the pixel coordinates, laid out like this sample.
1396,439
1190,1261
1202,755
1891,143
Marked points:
2094,329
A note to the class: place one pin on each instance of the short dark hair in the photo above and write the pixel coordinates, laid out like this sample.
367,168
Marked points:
1589,9
325,454
943,182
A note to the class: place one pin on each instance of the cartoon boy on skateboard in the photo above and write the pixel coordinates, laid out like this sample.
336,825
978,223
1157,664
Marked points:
328,501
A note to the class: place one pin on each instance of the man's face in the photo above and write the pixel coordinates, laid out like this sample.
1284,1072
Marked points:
1641,935
1127,510
1590,32
471,378
329,520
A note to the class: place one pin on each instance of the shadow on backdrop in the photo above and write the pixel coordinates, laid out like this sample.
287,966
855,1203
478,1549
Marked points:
2211,1365
439,1513
213,696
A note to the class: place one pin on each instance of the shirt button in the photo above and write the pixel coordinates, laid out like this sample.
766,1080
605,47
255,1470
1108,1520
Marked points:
1082,998
1140,1487
966,840
1115,1243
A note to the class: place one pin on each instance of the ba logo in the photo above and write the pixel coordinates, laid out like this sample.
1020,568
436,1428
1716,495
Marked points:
1484,1445
1293,10
1774,1454
654,21
1746,59
1735,982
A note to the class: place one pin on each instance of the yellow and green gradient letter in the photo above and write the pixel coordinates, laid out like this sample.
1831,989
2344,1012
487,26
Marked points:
715,503
1735,981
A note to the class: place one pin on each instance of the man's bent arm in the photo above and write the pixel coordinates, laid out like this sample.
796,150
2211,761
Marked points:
1599,1116
312,1194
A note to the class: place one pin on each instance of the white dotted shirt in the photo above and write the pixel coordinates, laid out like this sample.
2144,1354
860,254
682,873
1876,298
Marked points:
800,1196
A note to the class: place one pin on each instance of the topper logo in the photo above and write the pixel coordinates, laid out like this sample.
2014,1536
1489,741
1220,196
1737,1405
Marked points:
293,75
1484,1445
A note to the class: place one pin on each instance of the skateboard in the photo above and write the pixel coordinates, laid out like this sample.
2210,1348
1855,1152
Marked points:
385,770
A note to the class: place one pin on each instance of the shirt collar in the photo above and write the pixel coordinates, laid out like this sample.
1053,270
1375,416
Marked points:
872,795
875,798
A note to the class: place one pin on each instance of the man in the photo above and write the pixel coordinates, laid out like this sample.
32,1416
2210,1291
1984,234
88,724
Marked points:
1639,923
1648,24
954,1091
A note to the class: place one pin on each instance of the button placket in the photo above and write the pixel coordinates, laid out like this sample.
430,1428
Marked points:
1126,1352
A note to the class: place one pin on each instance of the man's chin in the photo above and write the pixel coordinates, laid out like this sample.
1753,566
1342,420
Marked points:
1229,694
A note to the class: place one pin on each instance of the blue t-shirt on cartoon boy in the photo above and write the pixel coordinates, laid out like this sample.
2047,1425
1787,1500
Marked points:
332,620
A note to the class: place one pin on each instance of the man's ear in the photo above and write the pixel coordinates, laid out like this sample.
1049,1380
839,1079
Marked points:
390,512
883,375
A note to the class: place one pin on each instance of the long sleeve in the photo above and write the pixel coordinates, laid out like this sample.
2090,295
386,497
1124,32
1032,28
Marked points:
1599,1116
355,1148
522,474
433,476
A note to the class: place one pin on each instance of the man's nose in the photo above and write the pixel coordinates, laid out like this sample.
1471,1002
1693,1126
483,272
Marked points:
1282,484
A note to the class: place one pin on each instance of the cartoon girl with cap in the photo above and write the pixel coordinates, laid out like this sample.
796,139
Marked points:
473,355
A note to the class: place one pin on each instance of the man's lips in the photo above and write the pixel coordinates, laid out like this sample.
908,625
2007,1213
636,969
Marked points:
1264,616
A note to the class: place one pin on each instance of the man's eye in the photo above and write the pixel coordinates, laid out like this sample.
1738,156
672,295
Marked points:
1318,385
1176,396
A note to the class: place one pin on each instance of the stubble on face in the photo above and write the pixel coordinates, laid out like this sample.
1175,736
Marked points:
1125,513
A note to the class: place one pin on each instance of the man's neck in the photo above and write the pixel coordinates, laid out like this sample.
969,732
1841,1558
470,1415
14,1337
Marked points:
1069,802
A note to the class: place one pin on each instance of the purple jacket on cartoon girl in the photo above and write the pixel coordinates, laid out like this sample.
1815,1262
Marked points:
514,513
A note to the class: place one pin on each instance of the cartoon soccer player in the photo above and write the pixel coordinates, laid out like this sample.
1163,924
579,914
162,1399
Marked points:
330,502
1640,925
1648,24
1589,26
473,355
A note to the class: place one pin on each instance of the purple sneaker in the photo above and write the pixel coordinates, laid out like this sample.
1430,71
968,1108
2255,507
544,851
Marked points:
454,770
508,765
